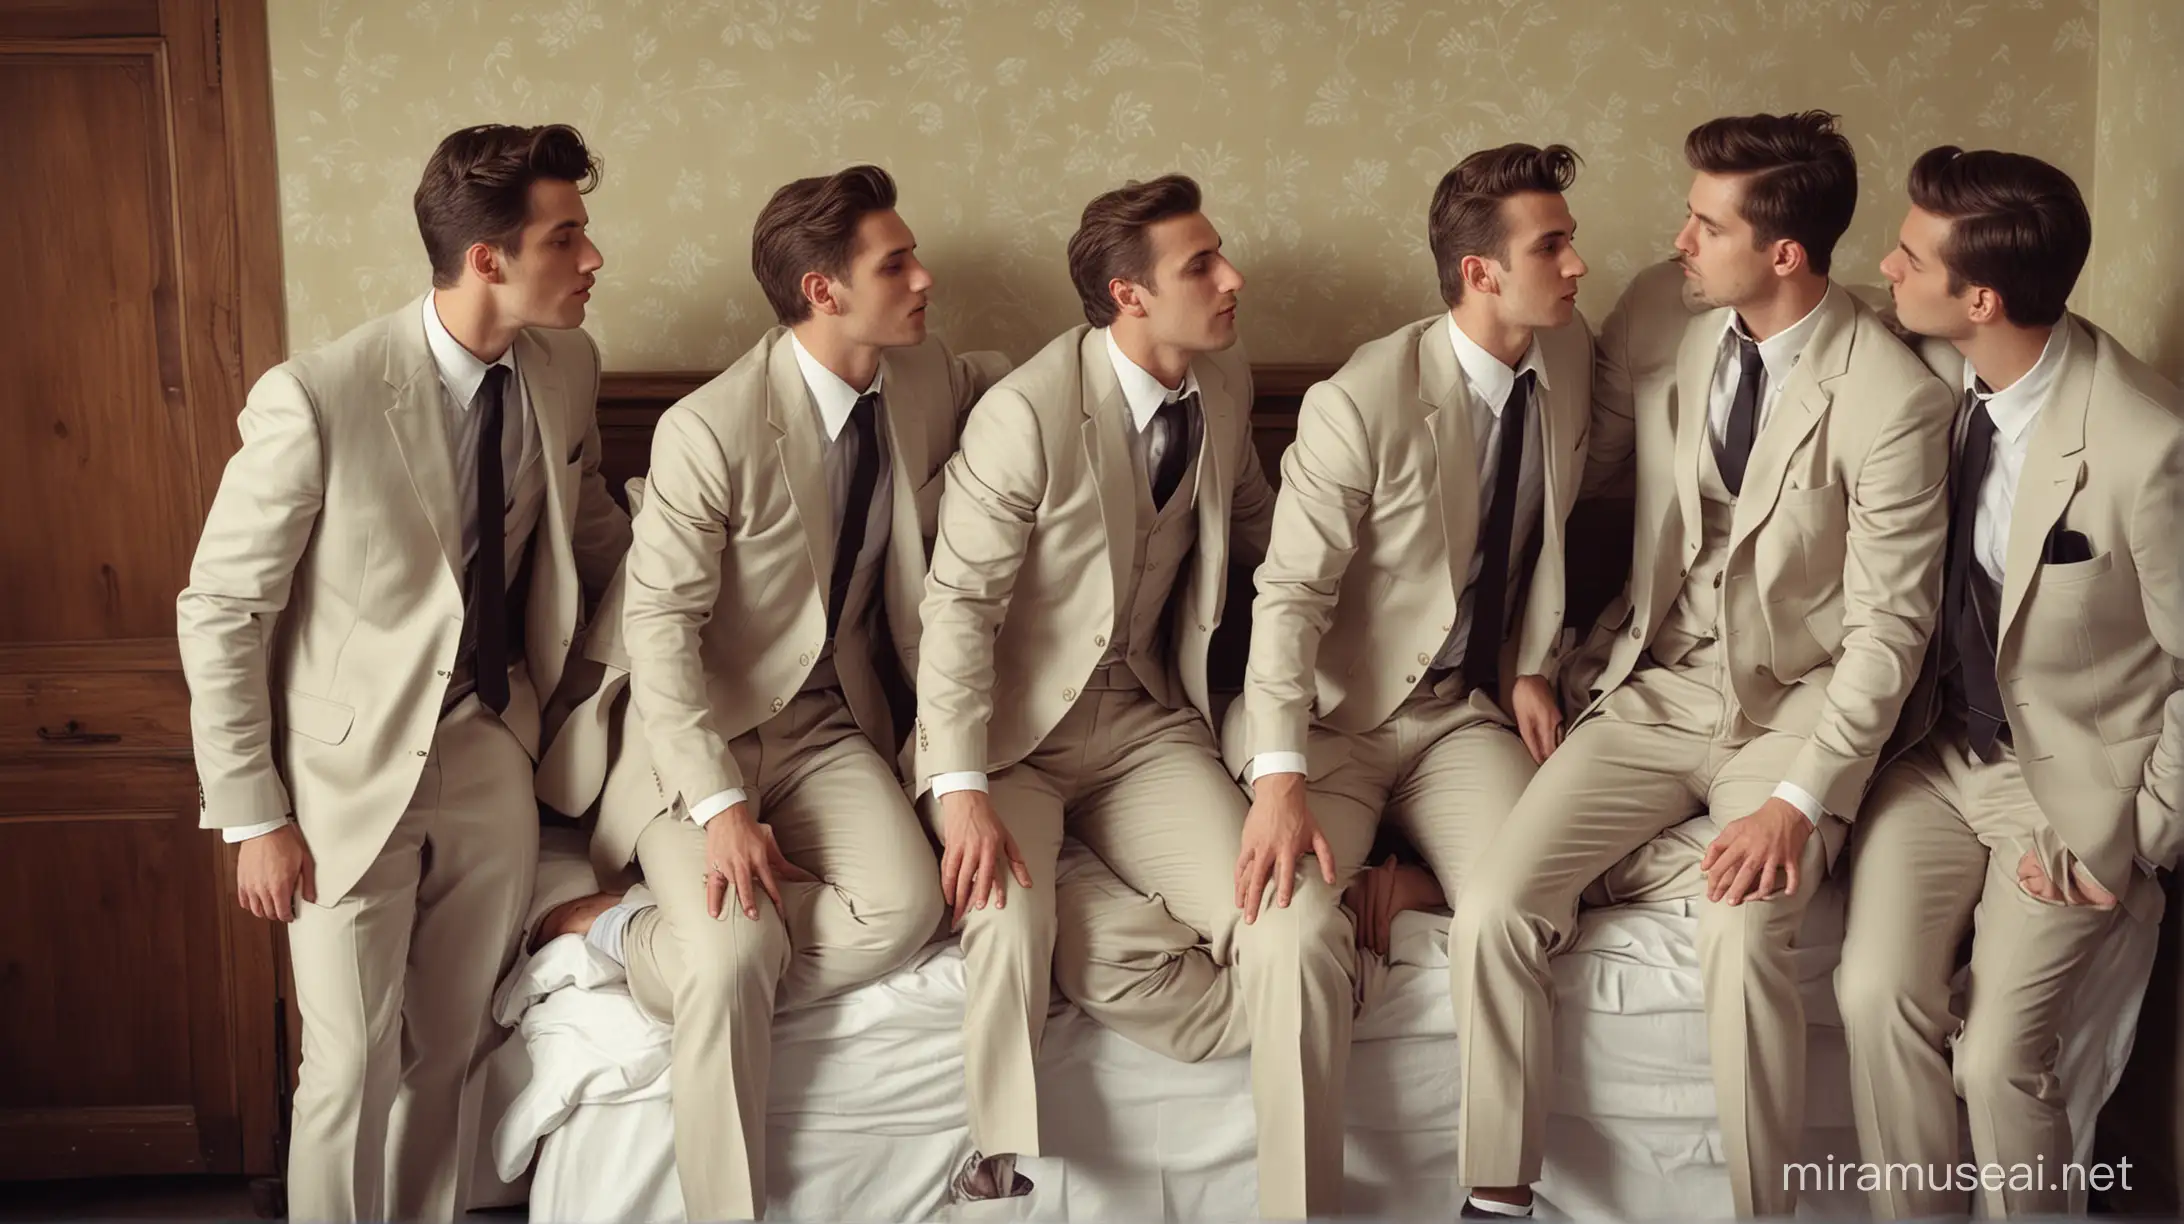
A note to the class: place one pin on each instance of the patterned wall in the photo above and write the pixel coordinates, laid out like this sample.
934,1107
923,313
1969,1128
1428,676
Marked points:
2138,245
1318,127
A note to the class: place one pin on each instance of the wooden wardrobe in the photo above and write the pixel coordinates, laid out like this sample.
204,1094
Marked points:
139,1006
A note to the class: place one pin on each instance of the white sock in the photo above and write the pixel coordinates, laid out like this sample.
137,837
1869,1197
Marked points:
1501,1209
606,930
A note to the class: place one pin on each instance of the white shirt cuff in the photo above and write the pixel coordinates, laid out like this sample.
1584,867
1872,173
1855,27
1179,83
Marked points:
707,808
243,833
1800,798
1273,763
962,779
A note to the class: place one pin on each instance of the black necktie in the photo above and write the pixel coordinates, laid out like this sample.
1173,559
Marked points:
1736,439
1174,419
489,567
862,432
1490,595
1968,634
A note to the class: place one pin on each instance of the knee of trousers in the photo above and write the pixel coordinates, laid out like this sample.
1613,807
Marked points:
726,957
899,920
1496,916
1877,997
1987,1062
1311,934
1023,927
1745,933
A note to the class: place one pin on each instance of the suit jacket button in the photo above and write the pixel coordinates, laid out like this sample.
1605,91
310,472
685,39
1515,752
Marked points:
420,752
1425,660
1717,582
1202,627
1099,639
777,705
1410,679
803,660
1635,633
1069,694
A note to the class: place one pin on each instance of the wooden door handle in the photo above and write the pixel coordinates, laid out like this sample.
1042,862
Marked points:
73,733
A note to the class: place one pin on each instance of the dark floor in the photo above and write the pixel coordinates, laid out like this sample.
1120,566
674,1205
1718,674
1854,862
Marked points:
189,1197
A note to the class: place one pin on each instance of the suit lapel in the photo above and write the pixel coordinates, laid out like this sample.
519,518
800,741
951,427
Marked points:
800,440
1106,443
1217,412
1796,413
1695,360
900,414
420,433
542,386
2053,469
1547,591
1446,402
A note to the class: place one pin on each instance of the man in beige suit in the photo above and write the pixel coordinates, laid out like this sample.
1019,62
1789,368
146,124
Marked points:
1077,577
1376,681
2041,768
1786,558
383,599
771,603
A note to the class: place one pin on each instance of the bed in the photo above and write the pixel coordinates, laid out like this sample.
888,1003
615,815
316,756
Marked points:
867,1120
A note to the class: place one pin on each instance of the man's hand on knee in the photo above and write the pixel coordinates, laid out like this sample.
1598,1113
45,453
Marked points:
1757,856
741,853
1278,833
976,847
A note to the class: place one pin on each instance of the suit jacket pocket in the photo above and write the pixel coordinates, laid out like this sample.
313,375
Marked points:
316,718
2076,571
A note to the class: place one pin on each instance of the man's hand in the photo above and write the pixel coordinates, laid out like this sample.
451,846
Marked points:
1539,716
740,852
1378,894
272,869
1278,832
1755,852
2033,877
975,844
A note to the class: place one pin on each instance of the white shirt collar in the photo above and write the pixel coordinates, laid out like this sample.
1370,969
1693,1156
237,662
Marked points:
1489,377
2014,407
1141,390
1780,351
833,396
460,370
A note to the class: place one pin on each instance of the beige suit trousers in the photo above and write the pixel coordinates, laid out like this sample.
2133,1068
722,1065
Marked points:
838,812
1142,787
395,982
1442,769
1616,782
1936,852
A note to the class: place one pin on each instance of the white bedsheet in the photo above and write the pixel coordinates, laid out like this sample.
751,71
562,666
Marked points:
867,1119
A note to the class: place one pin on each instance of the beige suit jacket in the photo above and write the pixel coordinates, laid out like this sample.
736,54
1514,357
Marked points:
1373,533
2090,655
723,601
1833,575
325,604
1025,570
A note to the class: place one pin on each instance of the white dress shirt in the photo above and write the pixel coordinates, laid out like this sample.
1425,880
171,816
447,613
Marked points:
834,399
1778,355
2014,408
461,374
1489,382
1149,438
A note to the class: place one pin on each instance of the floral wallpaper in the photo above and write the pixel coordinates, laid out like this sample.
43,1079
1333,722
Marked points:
2138,156
1318,128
